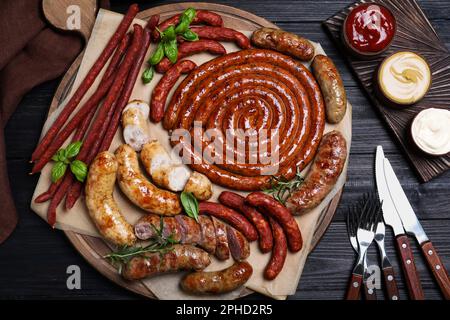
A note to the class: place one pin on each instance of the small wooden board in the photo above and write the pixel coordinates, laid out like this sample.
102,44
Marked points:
92,248
414,33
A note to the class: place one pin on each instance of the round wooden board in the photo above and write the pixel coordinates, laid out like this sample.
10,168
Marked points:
91,248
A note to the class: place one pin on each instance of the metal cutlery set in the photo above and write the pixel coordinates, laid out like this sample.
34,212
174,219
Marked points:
365,224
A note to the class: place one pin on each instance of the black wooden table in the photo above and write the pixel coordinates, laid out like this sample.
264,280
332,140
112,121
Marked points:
33,262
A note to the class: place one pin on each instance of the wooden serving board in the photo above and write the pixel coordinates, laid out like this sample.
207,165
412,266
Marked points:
414,33
92,248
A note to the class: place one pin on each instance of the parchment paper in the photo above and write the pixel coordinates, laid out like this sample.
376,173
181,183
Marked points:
167,286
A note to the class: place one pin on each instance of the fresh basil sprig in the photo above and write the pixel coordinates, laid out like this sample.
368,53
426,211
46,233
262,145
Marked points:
190,205
63,159
168,45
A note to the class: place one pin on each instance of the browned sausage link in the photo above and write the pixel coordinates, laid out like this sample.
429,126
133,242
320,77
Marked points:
186,49
217,282
236,201
148,226
332,87
201,17
323,174
162,89
232,217
190,229
284,42
239,246
279,251
223,34
281,214
152,24
179,257
222,250
208,234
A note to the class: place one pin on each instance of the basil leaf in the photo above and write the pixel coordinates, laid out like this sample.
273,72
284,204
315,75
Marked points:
185,20
60,155
73,149
169,34
182,27
189,13
147,75
190,204
157,55
79,169
190,35
171,50
58,171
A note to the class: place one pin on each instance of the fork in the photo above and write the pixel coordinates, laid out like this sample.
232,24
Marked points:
386,266
352,228
365,234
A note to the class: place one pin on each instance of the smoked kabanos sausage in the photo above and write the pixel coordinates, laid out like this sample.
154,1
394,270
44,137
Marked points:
322,176
223,34
201,17
236,201
217,282
100,202
279,251
189,48
229,215
281,214
284,42
332,87
177,258
162,89
141,191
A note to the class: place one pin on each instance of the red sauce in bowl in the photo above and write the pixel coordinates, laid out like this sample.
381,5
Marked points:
369,28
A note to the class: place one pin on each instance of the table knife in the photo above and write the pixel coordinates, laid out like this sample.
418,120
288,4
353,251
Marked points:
392,219
413,227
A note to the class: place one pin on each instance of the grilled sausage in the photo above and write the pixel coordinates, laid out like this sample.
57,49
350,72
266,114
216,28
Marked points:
134,122
179,257
223,34
191,232
281,214
100,202
199,185
141,191
284,42
279,251
217,282
236,201
188,48
332,87
239,247
162,89
222,249
323,174
208,234
229,215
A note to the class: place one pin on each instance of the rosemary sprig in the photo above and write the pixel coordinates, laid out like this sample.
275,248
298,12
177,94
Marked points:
282,188
160,244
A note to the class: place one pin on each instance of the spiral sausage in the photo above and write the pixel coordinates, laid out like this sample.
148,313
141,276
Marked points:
250,89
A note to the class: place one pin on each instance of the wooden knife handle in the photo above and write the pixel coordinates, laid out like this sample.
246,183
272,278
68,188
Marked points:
390,283
409,268
437,267
354,287
369,294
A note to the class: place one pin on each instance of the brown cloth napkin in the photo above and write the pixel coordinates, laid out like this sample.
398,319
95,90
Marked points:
31,52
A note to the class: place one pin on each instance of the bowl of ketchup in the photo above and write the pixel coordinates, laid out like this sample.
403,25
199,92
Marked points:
368,30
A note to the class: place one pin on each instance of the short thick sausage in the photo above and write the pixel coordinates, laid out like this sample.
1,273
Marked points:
217,282
332,88
284,42
323,174
179,257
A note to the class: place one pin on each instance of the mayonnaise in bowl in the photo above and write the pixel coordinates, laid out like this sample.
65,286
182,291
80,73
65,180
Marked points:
430,131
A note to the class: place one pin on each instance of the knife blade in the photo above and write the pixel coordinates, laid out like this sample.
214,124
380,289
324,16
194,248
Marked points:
392,218
412,226
390,214
406,213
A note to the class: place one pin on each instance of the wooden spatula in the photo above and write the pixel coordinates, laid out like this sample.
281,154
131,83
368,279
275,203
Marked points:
71,15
